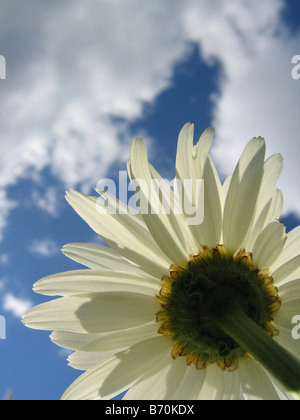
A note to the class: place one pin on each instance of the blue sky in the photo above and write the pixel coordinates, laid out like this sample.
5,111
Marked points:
83,79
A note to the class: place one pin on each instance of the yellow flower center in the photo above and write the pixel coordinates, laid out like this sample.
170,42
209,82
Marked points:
194,296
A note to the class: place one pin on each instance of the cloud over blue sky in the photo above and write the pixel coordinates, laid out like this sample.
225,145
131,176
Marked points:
85,77
79,75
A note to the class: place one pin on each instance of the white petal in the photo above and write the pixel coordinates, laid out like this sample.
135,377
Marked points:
256,228
136,362
288,310
273,168
263,214
269,213
256,384
82,360
120,372
269,245
58,314
190,385
103,312
115,206
289,291
287,272
213,387
193,162
166,229
87,386
93,281
123,338
114,311
294,237
111,341
232,387
190,160
121,232
210,231
161,382
283,392
276,206
176,208
72,340
150,386
291,248
285,338
97,257
243,193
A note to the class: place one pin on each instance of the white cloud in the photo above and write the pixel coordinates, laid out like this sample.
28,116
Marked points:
79,72
44,247
6,205
48,201
65,87
4,259
17,306
258,96
106,62
268,107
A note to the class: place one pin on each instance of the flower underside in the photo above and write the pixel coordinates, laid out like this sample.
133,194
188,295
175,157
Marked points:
196,296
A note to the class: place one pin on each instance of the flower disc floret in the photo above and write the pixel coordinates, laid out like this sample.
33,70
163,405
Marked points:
196,296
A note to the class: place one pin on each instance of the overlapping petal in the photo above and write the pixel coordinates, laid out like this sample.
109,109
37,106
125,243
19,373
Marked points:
119,372
168,231
125,233
269,245
105,342
255,383
98,257
93,313
243,194
266,209
193,162
161,383
79,282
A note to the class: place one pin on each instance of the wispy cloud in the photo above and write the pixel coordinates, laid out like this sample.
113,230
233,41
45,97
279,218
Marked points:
4,259
6,205
15,305
44,247
48,201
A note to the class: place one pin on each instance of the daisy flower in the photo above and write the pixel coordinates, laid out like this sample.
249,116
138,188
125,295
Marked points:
175,310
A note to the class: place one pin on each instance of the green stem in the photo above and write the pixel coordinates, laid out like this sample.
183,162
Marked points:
252,338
